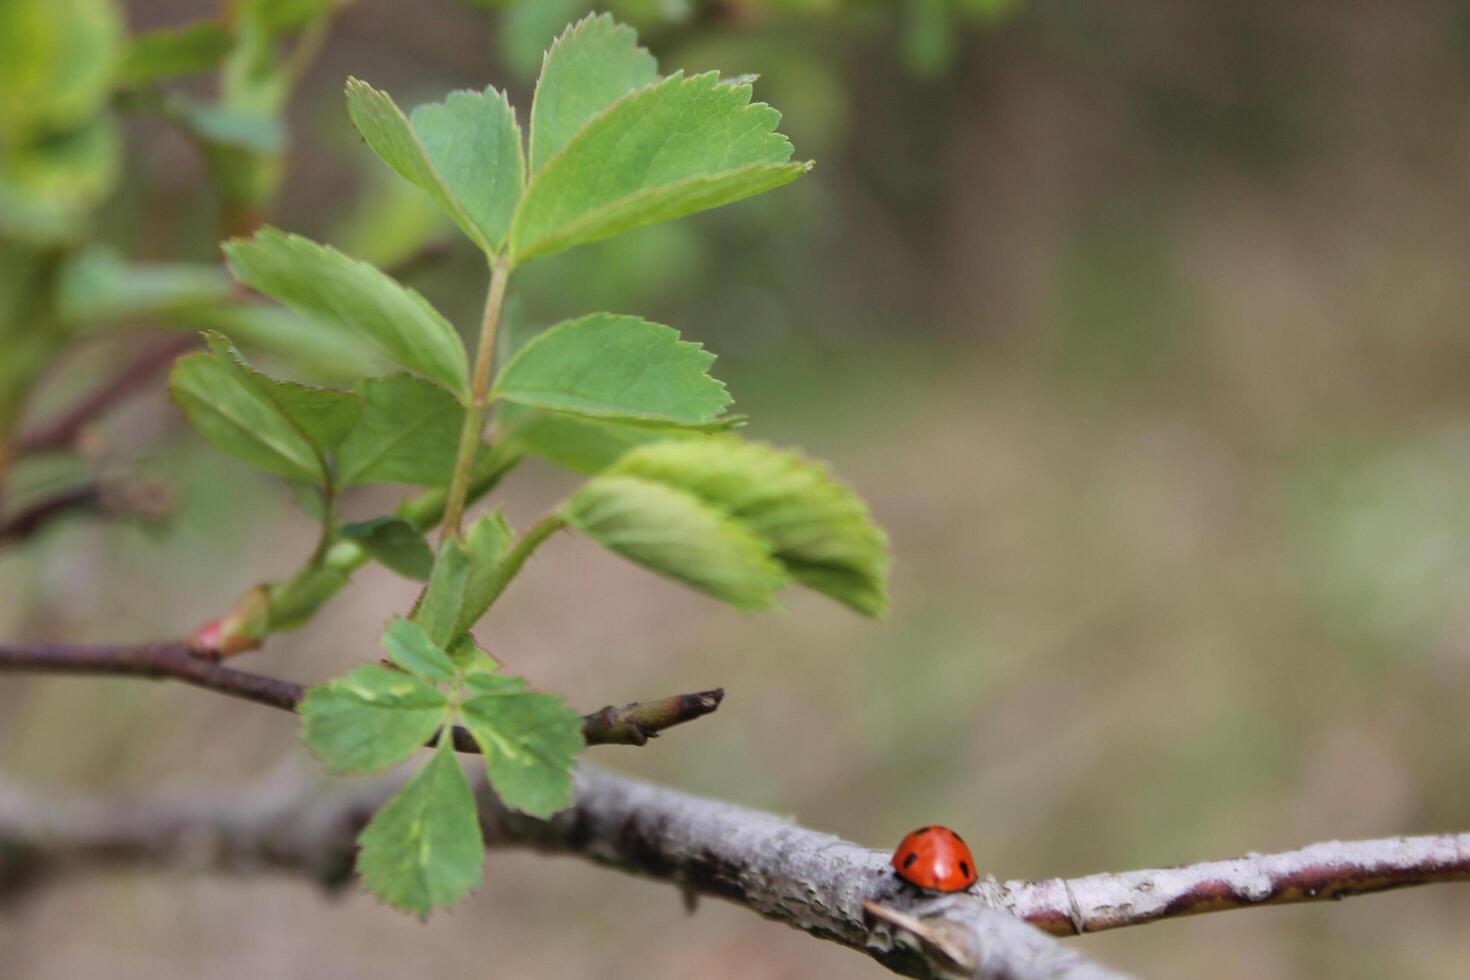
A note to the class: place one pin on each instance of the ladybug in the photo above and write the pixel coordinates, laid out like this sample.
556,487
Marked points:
935,859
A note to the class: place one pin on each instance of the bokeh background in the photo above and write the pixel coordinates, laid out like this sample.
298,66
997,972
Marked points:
1142,325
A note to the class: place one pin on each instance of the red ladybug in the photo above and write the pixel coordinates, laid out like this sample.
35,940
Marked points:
936,859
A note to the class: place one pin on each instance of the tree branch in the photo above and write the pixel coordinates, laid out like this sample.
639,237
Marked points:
632,724
147,500
815,882
58,433
809,880
27,522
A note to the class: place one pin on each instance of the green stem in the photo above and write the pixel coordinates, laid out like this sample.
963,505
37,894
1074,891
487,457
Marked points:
522,550
474,416
329,523
295,600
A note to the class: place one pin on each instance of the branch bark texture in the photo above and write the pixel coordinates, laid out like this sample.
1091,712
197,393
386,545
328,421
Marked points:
815,882
60,432
1326,870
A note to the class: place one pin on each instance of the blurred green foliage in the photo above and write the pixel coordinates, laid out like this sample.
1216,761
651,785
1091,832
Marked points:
1184,587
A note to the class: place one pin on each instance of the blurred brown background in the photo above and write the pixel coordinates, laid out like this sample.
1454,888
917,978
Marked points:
1142,326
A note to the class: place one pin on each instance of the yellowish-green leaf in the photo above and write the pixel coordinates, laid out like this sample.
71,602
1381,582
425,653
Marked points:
586,445
673,532
58,59
49,185
816,526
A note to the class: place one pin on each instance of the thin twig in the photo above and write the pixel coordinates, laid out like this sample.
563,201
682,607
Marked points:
148,501
29,521
1318,872
59,433
632,724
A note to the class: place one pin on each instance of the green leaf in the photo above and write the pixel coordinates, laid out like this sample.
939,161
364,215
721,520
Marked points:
409,433
316,344
464,581
585,445
817,527
283,428
395,543
175,51
674,533
474,143
409,647
529,740
680,146
98,284
614,367
490,682
486,542
424,847
318,281
323,415
590,66
473,137
370,719
438,610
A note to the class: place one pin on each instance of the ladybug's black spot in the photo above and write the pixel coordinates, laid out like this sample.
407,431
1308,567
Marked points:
965,868
908,862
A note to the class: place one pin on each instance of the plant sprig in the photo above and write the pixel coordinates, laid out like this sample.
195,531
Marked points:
612,146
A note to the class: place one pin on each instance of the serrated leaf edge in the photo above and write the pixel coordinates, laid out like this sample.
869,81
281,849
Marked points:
632,417
461,218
